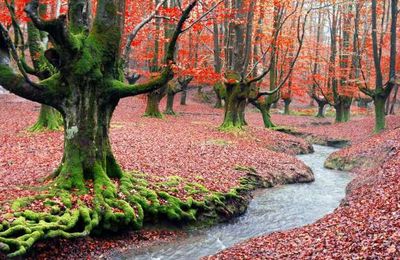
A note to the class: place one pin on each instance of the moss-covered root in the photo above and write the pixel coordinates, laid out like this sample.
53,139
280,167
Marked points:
21,230
49,119
111,204
103,207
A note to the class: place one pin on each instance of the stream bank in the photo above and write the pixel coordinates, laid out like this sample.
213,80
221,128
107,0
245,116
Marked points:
275,209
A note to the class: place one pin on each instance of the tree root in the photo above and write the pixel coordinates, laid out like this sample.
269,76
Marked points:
108,204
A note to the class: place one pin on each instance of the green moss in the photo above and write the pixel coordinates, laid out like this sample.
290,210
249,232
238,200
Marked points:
245,168
195,188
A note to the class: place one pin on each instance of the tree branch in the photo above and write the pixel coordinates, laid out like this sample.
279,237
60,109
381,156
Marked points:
56,28
204,15
132,35
45,92
121,89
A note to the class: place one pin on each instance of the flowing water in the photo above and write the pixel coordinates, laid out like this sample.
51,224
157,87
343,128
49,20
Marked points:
275,209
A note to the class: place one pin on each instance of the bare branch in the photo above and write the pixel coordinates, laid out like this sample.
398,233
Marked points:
204,15
132,35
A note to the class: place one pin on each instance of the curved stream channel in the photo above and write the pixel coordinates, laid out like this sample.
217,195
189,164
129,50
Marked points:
274,209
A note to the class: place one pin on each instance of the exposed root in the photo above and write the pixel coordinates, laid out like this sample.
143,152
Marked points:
106,204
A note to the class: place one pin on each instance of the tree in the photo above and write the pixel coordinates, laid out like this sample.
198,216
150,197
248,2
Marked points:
382,90
279,74
174,87
86,89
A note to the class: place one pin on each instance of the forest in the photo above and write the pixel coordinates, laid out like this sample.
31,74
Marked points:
199,129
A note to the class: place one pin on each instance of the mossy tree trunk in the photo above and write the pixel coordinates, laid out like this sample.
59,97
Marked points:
169,109
153,102
382,91
339,115
379,103
49,118
86,89
347,101
183,97
174,87
264,107
87,151
235,103
220,93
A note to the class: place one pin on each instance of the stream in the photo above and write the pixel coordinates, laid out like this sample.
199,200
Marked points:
276,209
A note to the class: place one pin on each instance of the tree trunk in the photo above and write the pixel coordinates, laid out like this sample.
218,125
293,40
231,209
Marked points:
218,103
379,102
153,102
234,108
219,93
242,112
169,110
266,117
347,101
49,118
87,149
339,113
264,108
321,109
183,97
287,106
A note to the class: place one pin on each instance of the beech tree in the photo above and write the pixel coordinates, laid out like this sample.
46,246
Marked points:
86,89
382,90
242,68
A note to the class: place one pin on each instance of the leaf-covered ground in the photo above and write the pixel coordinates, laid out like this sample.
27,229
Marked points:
189,146
367,223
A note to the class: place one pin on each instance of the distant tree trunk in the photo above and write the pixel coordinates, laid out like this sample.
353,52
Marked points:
287,105
347,108
49,118
235,103
153,102
266,116
169,110
220,93
173,89
183,97
339,117
217,60
321,108
381,92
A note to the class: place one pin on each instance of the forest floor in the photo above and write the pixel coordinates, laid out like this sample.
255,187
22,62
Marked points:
190,146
